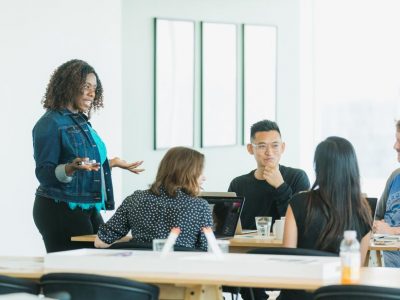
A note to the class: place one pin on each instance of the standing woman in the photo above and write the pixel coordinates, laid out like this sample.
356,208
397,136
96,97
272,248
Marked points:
71,159
318,218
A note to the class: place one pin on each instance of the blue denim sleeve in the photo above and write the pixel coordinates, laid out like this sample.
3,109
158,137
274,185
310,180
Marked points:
46,151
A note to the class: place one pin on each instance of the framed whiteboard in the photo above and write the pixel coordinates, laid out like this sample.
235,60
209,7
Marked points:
174,83
219,79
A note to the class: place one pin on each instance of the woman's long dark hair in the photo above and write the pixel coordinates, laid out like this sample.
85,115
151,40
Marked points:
336,192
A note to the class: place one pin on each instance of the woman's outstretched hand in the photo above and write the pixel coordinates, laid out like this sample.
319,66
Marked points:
82,164
120,163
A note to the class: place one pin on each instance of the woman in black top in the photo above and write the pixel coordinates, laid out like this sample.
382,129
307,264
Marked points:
318,218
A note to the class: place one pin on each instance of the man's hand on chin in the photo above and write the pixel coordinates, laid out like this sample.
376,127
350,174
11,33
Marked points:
272,175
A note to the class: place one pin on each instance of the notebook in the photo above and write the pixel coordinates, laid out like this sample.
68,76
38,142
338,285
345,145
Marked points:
226,212
241,231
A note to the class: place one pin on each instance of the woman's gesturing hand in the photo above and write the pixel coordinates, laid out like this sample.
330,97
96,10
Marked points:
81,163
133,167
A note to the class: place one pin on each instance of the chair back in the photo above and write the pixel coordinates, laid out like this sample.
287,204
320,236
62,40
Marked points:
289,294
9,285
372,203
97,287
131,245
356,292
291,251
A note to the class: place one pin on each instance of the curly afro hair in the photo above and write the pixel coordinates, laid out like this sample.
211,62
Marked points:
66,85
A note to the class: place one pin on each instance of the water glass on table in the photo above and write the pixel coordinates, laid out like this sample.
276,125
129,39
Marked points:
263,225
223,245
158,244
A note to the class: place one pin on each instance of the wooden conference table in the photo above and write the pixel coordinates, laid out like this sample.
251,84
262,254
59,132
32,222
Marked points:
238,244
391,246
199,281
246,242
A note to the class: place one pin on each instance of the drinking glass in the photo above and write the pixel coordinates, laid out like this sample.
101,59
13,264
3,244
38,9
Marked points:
263,225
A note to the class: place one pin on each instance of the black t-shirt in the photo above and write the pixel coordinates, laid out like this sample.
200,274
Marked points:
307,237
262,199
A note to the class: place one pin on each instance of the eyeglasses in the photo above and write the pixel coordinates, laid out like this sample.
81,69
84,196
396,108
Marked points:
266,147
87,87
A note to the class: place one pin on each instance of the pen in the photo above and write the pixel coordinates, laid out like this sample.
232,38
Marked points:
173,235
212,241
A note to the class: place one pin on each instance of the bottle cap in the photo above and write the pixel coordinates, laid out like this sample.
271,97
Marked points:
350,234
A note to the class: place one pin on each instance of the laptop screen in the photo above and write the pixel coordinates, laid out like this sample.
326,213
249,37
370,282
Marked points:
226,213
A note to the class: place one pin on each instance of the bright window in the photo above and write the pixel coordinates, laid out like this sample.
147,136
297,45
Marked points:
355,71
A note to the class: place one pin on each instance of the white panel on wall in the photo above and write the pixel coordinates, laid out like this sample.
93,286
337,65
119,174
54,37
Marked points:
219,73
174,83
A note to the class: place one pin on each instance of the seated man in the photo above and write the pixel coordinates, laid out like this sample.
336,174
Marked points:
268,188
387,215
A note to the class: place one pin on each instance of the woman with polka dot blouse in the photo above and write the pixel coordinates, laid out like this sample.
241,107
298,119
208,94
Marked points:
170,202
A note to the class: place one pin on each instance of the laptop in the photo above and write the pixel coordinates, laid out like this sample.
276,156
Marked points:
226,212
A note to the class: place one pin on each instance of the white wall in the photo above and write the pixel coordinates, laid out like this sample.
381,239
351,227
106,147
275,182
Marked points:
36,37
222,164
116,38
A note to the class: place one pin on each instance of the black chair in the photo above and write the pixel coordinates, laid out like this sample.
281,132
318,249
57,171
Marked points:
131,245
96,287
356,292
291,251
9,285
372,203
285,294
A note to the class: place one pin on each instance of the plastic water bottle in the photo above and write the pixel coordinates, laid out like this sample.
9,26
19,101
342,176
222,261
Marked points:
350,257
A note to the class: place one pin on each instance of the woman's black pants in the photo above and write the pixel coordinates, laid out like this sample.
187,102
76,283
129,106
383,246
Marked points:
57,223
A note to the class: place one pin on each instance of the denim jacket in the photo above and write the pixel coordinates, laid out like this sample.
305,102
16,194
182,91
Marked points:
59,137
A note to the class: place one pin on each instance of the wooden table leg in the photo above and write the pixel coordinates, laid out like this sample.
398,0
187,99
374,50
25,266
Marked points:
190,292
366,261
379,258
203,292
171,292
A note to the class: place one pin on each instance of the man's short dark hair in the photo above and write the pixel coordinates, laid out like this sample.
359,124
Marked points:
398,125
264,125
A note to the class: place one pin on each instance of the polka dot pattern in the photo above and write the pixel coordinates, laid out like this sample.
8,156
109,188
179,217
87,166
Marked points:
150,217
